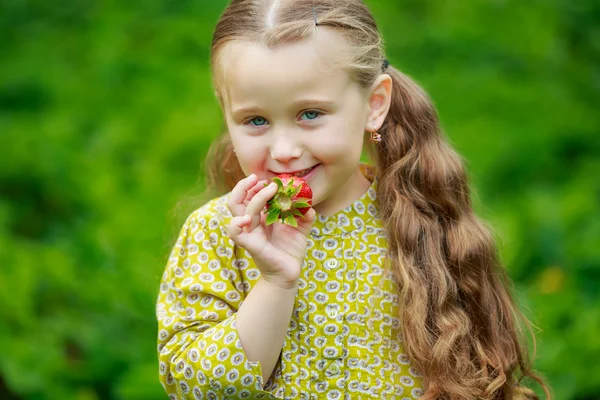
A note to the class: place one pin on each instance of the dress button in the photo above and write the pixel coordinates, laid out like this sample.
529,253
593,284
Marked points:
330,225
332,263
332,312
313,397
333,369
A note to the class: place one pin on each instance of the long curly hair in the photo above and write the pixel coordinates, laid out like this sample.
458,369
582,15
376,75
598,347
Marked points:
461,327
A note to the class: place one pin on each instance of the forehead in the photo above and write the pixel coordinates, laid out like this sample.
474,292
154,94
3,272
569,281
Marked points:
310,68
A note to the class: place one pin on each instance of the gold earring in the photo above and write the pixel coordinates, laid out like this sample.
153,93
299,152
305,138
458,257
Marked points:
375,136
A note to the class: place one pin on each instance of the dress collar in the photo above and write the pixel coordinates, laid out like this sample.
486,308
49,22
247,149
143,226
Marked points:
353,217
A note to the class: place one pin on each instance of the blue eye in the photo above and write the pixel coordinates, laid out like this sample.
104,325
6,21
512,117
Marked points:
260,121
311,114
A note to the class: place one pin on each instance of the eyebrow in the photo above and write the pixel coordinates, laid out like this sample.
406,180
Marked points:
296,104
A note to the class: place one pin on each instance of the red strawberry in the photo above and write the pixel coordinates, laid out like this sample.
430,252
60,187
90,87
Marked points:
292,200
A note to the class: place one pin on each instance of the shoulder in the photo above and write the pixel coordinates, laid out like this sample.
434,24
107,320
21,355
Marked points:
212,216
204,233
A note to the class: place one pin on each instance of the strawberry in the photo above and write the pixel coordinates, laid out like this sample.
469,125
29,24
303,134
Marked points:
292,200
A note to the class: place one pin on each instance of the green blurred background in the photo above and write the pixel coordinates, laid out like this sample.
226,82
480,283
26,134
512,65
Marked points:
106,113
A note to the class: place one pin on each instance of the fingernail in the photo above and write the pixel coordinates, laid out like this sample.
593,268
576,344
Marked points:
251,176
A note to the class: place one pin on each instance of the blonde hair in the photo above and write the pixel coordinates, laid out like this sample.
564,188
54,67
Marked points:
461,327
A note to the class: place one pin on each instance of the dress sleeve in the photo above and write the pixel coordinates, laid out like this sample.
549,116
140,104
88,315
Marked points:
199,350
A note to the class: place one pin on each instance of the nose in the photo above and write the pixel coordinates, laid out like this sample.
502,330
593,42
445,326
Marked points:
285,149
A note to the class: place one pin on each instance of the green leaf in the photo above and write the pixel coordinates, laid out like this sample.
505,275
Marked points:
296,212
301,204
291,220
272,218
279,183
290,185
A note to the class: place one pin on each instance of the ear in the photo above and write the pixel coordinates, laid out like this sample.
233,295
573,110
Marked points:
379,100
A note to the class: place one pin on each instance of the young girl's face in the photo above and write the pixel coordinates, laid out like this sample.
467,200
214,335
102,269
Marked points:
289,109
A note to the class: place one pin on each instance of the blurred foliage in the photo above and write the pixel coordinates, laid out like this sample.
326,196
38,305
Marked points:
106,113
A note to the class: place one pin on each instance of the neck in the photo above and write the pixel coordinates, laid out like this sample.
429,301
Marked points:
353,189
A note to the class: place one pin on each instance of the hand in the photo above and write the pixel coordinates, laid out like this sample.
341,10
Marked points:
278,249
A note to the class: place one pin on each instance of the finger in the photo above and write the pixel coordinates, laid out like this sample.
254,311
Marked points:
258,202
236,226
257,188
238,195
306,222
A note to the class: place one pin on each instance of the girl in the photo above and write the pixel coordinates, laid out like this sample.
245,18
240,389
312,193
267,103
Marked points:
390,287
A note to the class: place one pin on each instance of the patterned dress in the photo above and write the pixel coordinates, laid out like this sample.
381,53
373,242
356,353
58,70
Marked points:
343,340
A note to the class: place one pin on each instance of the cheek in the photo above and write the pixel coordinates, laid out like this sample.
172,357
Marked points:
250,153
341,143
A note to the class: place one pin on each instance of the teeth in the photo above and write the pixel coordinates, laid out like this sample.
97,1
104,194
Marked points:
306,171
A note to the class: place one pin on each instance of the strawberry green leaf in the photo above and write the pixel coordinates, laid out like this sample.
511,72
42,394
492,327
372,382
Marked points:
279,183
272,218
290,220
301,204
273,211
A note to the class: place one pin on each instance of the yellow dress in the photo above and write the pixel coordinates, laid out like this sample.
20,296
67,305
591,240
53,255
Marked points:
343,340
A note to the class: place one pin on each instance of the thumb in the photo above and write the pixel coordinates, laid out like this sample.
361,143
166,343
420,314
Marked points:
307,221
